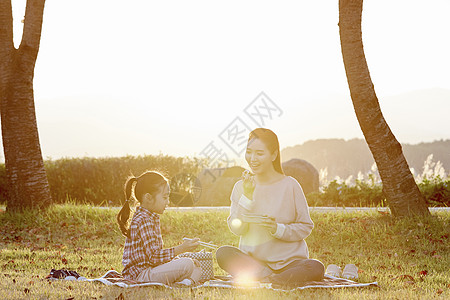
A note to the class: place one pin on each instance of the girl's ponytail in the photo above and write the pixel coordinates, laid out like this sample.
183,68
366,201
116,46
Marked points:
124,213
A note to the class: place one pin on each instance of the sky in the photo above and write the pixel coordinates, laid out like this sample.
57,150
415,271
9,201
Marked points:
173,77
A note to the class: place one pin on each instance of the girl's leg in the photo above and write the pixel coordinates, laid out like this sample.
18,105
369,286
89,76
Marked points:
299,271
237,263
173,271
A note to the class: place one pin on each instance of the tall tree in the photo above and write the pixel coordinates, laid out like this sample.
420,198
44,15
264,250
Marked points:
26,176
399,187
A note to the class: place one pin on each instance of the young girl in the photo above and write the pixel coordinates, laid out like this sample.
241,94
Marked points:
270,214
144,258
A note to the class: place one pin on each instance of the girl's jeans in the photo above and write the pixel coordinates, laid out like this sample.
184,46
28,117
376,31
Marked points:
173,271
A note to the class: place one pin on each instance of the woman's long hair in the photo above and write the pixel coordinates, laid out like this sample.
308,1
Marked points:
147,182
270,139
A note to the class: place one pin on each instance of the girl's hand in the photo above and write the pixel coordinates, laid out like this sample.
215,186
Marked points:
187,246
248,184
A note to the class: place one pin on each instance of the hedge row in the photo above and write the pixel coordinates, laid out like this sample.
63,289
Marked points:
100,181
363,194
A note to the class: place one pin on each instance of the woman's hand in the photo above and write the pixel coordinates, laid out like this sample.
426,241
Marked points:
187,246
248,184
270,225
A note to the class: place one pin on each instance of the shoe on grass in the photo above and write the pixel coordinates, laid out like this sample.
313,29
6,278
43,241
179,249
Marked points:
350,271
184,283
333,270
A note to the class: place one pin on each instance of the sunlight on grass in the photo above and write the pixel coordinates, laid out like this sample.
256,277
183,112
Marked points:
245,280
408,257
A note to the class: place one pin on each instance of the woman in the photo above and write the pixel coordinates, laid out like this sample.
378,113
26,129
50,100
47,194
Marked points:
270,214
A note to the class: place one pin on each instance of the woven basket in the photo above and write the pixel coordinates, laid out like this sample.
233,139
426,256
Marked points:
206,263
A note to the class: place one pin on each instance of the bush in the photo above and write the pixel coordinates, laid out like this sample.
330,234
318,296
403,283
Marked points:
436,192
99,181
367,190
360,194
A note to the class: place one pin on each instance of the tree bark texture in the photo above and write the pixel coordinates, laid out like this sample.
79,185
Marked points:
26,176
399,187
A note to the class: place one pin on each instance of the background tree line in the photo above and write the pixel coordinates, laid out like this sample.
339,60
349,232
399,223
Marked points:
99,181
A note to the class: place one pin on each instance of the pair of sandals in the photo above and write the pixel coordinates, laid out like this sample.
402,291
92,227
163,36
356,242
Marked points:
350,271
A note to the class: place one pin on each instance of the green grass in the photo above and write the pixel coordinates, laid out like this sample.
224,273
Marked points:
409,258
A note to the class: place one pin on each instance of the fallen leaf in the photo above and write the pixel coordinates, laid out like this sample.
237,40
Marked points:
423,273
120,297
439,291
405,276
33,231
26,291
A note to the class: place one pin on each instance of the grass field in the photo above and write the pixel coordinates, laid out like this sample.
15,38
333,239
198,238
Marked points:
409,258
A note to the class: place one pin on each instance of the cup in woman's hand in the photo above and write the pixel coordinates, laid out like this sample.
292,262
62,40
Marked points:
269,224
262,220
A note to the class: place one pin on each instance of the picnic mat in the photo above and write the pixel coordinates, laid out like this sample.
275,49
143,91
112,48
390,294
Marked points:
113,277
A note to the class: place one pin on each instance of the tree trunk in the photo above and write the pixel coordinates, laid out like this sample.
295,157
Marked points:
400,189
26,177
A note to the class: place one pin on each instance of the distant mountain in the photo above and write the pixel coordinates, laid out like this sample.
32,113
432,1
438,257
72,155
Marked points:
347,157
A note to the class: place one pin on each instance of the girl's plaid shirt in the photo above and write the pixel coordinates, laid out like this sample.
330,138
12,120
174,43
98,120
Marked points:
145,247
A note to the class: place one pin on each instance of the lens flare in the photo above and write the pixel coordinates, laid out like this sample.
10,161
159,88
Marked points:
245,280
236,223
